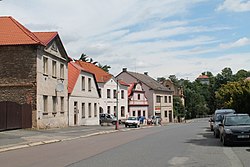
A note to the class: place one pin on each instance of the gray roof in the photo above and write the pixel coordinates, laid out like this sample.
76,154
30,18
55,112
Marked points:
150,82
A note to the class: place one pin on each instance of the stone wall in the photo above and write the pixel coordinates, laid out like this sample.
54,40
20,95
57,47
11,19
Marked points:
18,74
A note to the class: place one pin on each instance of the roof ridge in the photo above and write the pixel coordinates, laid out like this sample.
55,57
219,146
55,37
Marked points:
26,31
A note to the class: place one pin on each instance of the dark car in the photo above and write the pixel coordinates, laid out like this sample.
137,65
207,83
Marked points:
217,119
107,118
235,128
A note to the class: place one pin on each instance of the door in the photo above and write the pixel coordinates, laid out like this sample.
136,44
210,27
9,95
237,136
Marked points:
75,113
170,116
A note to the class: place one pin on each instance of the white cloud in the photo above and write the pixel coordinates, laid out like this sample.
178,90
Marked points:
162,37
235,5
241,42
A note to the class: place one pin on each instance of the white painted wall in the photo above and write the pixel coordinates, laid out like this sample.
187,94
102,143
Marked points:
46,85
87,97
105,102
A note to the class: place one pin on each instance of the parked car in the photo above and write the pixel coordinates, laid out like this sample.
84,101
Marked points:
154,120
132,121
107,118
235,128
217,118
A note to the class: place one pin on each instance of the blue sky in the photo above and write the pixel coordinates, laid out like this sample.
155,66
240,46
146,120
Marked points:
163,37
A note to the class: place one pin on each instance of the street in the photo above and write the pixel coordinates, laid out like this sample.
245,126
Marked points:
190,144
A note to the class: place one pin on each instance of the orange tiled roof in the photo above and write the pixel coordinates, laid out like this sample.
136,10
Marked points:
73,73
14,33
45,37
100,74
203,77
131,86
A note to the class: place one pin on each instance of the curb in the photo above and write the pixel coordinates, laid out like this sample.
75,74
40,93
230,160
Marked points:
32,144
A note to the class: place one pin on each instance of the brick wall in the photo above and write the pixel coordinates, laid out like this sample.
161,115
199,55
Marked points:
18,74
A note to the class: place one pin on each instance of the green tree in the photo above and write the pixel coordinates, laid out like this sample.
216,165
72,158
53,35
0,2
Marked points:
105,67
235,95
179,109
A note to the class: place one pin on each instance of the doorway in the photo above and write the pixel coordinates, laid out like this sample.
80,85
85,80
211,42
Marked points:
75,112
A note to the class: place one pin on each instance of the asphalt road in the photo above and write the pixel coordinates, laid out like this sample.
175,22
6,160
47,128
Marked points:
174,145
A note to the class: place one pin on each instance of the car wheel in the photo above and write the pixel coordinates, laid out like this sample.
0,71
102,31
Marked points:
126,125
136,126
113,123
224,142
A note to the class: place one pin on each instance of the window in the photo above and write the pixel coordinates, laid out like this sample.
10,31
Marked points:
53,68
114,94
138,96
166,114
89,84
83,110
114,109
139,112
158,99
108,109
45,65
54,103
100,91
62,71
89,110
62,104
165,99
144,113
169,99
45,103
122,94
83,83
95,110
108,93
122,111
133,113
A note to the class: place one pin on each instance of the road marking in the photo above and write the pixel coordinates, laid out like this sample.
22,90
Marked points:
234,160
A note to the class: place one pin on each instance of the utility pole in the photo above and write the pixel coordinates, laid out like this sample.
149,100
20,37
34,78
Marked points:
117,116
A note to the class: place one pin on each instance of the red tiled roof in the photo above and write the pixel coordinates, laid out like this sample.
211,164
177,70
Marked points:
131,86
123,83
203,77
45,37
14,33
100,74
73,73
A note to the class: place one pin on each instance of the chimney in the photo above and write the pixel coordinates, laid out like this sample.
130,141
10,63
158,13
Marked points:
124,70
145,73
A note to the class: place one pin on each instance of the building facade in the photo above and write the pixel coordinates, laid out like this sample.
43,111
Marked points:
83,97
137,100
109,88
160,98
35,65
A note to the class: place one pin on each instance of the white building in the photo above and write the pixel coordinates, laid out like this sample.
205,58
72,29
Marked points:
108,89
83,97
137,100
160,98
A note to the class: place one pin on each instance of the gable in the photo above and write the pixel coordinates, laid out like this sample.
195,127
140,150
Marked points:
53,44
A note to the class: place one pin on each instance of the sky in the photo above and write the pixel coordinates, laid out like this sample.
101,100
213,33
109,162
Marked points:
161,37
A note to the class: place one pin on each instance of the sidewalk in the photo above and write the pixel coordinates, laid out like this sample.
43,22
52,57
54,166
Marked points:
23,138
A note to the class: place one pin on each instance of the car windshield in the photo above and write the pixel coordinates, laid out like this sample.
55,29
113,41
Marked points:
237,120
132,118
